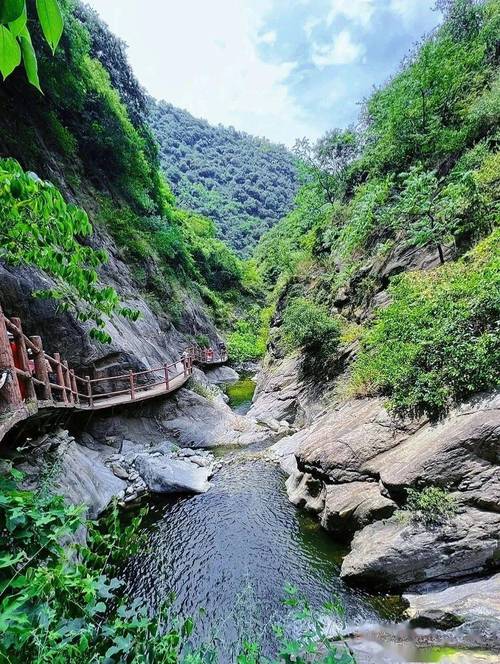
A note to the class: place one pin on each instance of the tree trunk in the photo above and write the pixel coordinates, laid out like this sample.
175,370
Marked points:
440,251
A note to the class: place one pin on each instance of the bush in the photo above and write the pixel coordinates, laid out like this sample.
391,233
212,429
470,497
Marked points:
437,342
59,599
431,506
309,325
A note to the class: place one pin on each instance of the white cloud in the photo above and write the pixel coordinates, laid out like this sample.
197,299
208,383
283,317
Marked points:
268,38
203,56
408,10
343,51
310,24
358,11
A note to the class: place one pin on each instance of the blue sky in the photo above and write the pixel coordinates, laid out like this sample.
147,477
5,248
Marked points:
283,69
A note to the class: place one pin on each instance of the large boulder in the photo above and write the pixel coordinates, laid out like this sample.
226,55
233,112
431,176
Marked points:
76,472
277,392
304,490
219,375
165,475
340,446
474,606
186,418
396,553
462,453
195,421
350,507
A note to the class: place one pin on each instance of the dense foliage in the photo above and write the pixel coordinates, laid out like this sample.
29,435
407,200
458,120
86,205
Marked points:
308,325
91,125
38,228
245,184
430,506
247,340
421,170
437,342
62,602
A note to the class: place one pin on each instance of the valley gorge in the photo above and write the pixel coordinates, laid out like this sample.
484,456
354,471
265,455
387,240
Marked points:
325,483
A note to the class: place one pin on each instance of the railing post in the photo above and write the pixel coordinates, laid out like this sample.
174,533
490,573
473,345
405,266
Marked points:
74,386
41,370
89,392
60,377
167,380
11,391
67,382
132,386
184,362
23,358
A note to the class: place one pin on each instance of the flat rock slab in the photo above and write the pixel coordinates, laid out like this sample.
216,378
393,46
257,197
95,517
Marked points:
461,452
82,478
164,475
474,605
339,446
394,554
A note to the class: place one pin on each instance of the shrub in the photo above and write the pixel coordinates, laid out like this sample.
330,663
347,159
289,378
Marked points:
38,228
202,340
437,342
309,325
59,600
431,506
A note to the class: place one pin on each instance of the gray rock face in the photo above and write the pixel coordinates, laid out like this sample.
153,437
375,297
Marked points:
221,375
186,419
461,453
283,452
164,475
194,421
350,507
78,474
306,491
395,554
474,605
277,392
340,446
365,461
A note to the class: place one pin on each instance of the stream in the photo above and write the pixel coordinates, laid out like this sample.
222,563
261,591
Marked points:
227,555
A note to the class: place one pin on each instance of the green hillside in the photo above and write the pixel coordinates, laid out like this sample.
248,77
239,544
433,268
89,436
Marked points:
245,184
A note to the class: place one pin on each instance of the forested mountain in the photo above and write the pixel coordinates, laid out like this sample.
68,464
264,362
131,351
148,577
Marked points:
246,184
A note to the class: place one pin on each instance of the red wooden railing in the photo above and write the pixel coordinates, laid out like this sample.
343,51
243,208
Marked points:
48,381
208,355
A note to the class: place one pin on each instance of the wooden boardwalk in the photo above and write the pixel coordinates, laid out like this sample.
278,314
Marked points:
33,382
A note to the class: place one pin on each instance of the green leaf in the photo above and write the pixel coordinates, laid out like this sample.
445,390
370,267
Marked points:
10,53
17,26
51,21
10,10
29,59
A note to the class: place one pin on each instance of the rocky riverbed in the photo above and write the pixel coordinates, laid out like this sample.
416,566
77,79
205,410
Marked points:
348,466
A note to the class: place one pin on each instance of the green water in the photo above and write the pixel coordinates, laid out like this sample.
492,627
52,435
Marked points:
240,394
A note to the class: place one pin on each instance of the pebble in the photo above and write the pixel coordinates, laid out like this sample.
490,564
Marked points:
119,471
131,497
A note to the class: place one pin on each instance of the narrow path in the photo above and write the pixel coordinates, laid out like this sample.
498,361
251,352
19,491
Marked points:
31,380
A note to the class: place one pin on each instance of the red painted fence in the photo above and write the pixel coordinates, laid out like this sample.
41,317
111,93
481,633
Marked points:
29,375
